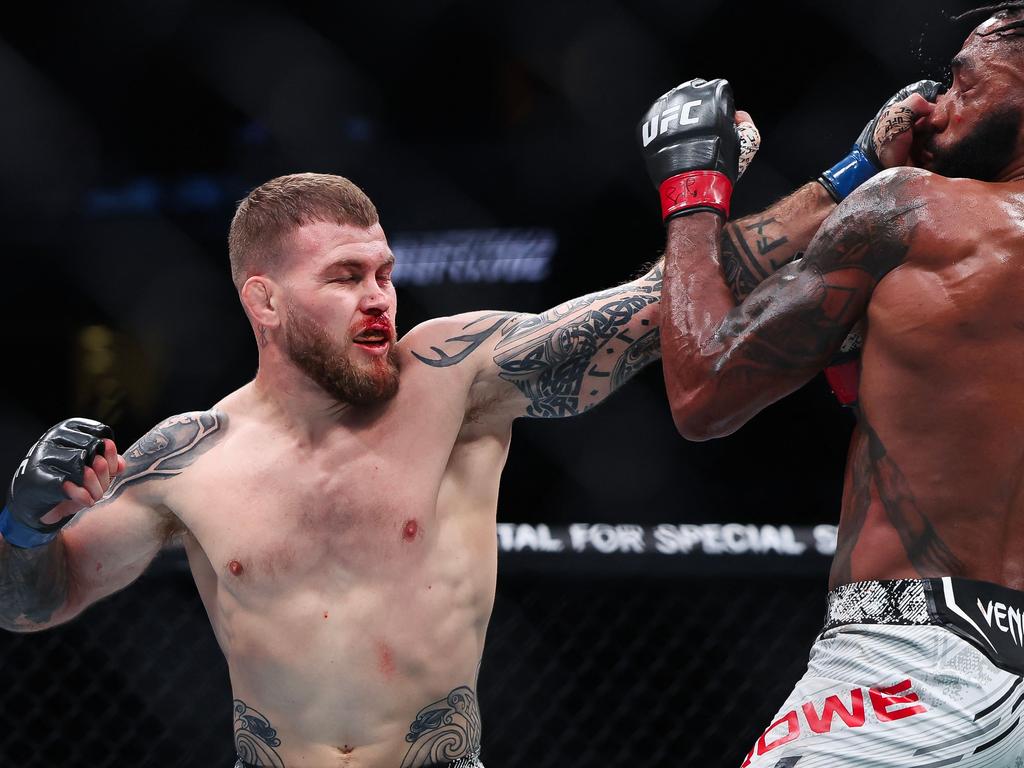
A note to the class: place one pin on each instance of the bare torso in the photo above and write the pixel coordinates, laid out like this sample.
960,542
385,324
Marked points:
933,479
338,512
349,579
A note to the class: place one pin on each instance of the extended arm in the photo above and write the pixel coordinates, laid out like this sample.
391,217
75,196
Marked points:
561,362
754,247
723,362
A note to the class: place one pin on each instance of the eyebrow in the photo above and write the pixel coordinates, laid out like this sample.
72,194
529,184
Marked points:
350,263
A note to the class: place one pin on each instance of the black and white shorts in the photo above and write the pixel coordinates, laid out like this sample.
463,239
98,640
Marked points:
922,673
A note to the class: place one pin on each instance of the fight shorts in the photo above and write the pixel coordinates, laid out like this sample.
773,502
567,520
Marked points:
919,673
462,762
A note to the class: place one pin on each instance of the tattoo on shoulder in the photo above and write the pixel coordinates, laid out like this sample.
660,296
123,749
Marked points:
169,448
255,738
467,343
444,731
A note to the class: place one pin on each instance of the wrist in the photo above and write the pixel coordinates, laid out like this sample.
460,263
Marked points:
693,191
19,535
848,174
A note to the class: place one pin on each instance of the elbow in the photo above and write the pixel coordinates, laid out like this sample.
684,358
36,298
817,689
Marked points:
701,411
698,426
696,418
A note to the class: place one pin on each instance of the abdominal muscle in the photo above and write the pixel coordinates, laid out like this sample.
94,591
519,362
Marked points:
336,674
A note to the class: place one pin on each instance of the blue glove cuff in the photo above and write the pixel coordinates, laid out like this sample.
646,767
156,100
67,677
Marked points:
22,536
848,174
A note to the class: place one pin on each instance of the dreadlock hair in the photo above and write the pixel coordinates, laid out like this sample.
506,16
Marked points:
1012,28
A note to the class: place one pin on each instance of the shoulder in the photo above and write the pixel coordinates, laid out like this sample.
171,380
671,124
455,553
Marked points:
458,340
877,227
897,194
179,432
170,447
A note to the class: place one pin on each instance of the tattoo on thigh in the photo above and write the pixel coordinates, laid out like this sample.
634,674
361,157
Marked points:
255,739
446,730
169,448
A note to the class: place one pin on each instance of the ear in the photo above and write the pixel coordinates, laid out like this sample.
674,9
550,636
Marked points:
261,299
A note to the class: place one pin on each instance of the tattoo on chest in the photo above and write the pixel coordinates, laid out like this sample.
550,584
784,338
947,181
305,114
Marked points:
169,448
446,730
255,738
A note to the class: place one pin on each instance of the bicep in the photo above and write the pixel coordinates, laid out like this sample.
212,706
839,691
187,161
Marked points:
110,545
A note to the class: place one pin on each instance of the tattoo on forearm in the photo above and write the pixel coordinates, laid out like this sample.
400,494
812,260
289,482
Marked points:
33,584
255,739
765,243
168,449
637,356
445,730
552,358
742,275
742,269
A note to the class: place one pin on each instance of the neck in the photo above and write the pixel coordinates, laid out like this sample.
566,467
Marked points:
1014,171
297,403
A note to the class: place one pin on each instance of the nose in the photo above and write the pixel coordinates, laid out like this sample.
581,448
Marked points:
937,121
374,300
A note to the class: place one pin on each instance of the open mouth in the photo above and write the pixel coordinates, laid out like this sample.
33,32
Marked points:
373,340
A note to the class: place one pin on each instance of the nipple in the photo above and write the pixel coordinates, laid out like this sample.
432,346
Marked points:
236,568
410,530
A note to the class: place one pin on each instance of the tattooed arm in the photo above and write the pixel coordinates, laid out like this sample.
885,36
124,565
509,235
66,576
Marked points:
107,546
559,363
724,363
755,247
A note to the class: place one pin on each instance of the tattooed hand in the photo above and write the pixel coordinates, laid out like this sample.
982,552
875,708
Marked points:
894,131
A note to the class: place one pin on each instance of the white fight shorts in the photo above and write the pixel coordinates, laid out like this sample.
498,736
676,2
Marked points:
919,673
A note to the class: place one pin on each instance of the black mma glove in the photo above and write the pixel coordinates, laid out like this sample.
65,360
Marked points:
691,146
61,454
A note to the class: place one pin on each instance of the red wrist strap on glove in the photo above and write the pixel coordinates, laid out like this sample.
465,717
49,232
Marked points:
844,378
695,189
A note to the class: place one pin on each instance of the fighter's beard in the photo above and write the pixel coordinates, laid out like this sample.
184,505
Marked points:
326,363
984,153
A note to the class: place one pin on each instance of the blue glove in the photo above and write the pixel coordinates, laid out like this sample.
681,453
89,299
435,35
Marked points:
862,163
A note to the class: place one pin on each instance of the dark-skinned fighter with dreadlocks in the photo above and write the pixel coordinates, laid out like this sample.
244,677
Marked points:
921,658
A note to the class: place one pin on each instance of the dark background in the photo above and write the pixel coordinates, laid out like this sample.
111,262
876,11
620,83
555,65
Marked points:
130,130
